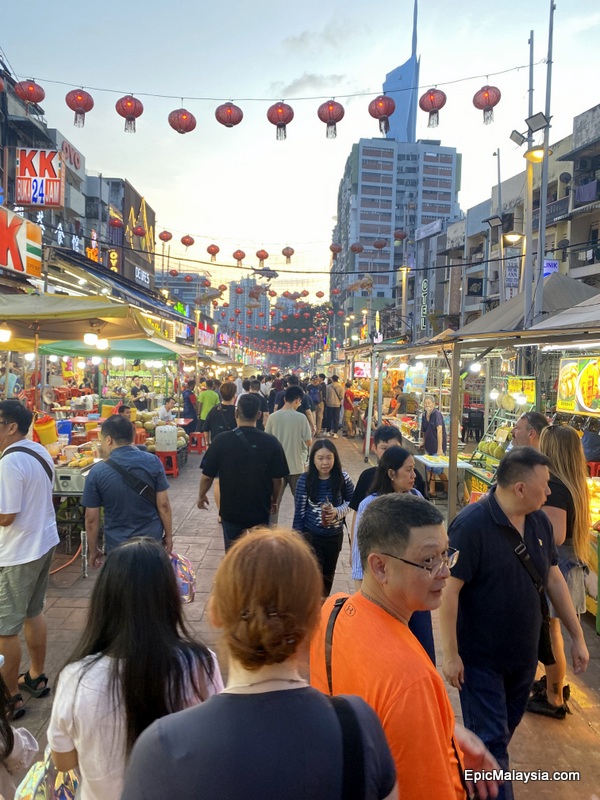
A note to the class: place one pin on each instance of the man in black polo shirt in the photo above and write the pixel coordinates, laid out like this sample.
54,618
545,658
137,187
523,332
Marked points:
306,406
491,610
250,465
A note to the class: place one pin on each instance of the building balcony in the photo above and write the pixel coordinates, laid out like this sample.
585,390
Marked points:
584,262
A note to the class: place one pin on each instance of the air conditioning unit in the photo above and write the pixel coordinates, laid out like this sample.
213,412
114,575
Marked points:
584,164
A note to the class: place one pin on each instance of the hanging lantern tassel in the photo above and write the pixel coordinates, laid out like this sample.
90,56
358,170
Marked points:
432,101
331,113
280,115
485,100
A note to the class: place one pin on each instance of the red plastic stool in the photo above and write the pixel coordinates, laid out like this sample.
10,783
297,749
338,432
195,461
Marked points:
169,462
594,468
198,442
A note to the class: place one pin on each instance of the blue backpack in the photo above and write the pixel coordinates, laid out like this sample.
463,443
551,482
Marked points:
315,394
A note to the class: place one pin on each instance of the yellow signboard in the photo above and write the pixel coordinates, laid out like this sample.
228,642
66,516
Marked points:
579,386
524,385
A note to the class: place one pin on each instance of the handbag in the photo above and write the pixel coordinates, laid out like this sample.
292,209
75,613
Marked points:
45,782
185,576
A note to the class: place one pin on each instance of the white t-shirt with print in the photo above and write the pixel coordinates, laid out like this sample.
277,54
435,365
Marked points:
86,718
26,490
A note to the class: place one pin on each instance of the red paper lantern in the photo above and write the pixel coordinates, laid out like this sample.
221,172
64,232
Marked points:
115,222
341,313
225,305
188,279
335,249
80,102
130,108
237,312
331,113
182,121
139,231
29,92
320,294
356,247
306,315
214,303
336,291
239,256
173,273
231,319
272,293
222,288
432,101
261,313
379,244
382,108
249,312
205,282
304,293
399,236
239,290
288,330
280,115
262,256
229,115
223,314
288,252
212,250
330,313
187,241
485,100
165,236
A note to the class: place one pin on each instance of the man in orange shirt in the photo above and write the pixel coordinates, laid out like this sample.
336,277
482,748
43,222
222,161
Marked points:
405,556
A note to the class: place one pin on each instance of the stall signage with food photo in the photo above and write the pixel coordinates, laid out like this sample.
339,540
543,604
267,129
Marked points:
524,386
415,379
39,178
578,386
20,244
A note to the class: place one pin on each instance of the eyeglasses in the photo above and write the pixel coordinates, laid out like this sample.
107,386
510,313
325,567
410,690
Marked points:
5,421
448,559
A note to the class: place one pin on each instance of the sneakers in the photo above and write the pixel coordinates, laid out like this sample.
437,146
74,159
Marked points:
538,704
335,436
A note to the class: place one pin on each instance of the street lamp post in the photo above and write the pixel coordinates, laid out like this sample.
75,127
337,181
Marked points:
404,273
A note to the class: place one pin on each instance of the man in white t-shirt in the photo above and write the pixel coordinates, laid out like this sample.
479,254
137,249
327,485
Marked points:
292,430
28,536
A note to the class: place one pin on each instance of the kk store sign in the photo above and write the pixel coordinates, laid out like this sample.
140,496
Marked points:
20,244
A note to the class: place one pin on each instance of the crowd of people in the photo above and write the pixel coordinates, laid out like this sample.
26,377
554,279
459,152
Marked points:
140,707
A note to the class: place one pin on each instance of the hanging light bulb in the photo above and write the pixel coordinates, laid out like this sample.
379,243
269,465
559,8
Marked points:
64,359
116,361
80,365
96,360
53,359
494,394
5,333
90,338
29,356
102,344
475,367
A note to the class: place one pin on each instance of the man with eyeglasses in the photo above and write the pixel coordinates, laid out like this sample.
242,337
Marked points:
365,647
491,615
28,536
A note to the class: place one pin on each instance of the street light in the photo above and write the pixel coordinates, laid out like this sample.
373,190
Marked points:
536,154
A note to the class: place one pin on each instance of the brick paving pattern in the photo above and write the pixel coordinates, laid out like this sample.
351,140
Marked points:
539,743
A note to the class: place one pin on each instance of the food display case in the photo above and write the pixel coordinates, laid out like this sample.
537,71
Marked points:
591,581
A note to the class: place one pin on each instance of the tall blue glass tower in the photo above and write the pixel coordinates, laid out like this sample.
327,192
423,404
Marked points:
402,86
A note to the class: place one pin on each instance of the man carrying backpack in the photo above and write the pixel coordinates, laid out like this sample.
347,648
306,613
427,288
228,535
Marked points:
315,393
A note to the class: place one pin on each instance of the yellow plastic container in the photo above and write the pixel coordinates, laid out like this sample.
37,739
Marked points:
133,410
46,430
89,426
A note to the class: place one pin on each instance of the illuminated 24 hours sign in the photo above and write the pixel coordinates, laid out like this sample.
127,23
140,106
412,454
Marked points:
39,178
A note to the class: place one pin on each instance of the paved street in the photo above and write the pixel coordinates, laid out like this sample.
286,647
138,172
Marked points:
539,744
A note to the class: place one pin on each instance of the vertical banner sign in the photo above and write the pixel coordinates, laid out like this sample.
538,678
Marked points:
20,244
512,271
39,179
424,290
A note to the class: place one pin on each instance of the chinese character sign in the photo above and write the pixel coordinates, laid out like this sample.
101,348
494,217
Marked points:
20,244
39,178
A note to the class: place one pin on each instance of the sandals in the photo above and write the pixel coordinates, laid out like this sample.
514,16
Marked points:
16,711
539,689
32,685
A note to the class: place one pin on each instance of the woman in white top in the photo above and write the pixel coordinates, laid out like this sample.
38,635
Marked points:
135,663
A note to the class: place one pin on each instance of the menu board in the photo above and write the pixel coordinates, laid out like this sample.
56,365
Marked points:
579,386
524,385
415,380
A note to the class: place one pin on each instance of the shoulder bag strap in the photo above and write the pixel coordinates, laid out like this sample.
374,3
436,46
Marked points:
31,453
139,486
337,607
353,769
222,413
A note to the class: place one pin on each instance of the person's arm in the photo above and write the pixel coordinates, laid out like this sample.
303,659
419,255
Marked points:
65,761
347,492
163,505
440,440
558,593
452,665
478,758
7,519
311,420
92,527
276,487
300,502
558,519
205,483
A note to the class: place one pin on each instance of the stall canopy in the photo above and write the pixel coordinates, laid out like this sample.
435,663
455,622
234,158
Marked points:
583,316
560,295
52,317
125,348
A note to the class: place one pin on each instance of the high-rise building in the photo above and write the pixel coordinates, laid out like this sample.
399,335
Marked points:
401,84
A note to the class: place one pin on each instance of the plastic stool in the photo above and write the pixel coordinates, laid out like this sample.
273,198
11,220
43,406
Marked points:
169,462
198,442
594,468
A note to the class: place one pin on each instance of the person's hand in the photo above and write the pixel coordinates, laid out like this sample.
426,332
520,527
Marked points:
167,542
439,453
330,516
596,525
274,508
478,758
454,671
580,656
203,502
95,558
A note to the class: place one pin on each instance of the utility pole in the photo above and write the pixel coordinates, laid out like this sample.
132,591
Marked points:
528,265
